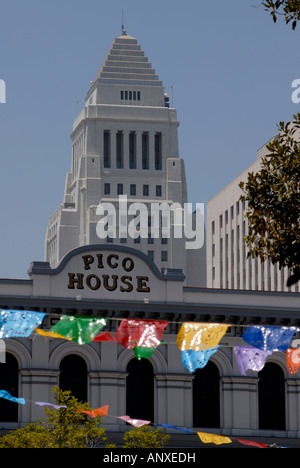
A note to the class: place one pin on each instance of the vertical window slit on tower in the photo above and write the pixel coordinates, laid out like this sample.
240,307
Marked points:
145,150
158,151
106,148
120,162
132,150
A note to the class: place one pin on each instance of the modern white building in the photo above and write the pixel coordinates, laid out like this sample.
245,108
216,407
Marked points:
227,263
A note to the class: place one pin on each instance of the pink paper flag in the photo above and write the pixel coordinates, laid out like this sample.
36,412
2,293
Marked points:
134,422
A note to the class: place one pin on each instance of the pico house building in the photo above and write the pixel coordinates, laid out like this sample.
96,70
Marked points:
154,343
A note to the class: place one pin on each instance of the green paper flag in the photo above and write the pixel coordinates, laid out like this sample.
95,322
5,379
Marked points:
82,330
141,352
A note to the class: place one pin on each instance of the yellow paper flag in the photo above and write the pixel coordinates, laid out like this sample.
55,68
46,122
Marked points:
50,334
213,438
200,336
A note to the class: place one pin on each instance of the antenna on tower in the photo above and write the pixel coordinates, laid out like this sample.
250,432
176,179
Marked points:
124,32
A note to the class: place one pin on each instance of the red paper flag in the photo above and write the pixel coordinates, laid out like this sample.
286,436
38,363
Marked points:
251,442
293,360
97,412
136,332
105,336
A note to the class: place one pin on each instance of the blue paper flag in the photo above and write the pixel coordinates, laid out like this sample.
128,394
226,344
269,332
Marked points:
269,338
169,426
192,360
7,396
19,323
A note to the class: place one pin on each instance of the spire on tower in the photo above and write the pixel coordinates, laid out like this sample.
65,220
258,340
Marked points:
124,32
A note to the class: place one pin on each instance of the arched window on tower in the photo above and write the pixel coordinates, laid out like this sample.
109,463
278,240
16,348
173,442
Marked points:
271,397
140,389
9,380
73,376
206,397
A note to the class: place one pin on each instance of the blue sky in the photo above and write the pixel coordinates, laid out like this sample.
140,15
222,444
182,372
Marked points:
231,69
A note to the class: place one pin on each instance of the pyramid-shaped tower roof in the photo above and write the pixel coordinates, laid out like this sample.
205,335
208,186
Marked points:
127,64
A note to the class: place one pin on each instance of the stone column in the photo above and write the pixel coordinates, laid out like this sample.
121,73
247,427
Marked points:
109,388
36,385
293,407
174,399
239,404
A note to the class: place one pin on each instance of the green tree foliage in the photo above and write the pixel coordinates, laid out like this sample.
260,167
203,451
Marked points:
62,428
289,9
273,197
146,437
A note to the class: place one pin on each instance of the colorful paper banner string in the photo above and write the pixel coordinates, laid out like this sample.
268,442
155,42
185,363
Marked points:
200,336
82,330
293,360
134,333
269,338
97,412
192,360
103,411
7,396
134,422
250,358
213,438
19,323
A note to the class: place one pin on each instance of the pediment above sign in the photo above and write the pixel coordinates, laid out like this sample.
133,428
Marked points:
104,272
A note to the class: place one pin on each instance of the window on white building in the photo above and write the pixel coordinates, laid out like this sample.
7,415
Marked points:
106,148
158,191
120,158
132,150
145,150
158,151
164,256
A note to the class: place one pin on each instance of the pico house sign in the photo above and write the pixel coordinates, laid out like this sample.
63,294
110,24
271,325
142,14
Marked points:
106,277
101,272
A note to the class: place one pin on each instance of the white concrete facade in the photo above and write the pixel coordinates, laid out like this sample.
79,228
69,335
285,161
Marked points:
124,142
227,265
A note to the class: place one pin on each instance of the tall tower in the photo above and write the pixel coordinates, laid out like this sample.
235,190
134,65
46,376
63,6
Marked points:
124,142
